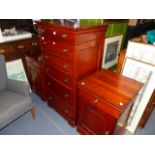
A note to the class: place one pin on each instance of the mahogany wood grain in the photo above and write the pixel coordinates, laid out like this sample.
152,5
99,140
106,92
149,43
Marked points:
103,97
69,54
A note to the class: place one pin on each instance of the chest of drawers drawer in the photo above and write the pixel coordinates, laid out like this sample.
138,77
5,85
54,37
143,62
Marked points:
62,35
58,62
63,49
63,92
98,104
55,101
60,76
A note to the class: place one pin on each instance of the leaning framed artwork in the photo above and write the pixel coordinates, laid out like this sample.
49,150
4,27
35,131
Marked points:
145,73
111,50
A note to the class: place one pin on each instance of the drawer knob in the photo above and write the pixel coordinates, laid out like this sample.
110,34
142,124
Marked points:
2,51
65,50
107,133
66,96
42,38
64,35
65,66
50,98
34,44
54,33
95,101
53,42
49,83
66,80
82,83
121,104
21,46
31,52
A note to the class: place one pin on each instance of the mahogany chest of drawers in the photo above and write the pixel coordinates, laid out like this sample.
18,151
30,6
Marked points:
69,54
104,101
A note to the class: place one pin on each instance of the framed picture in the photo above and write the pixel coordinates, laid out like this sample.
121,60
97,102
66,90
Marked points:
16,71
111,50
145,73
141,51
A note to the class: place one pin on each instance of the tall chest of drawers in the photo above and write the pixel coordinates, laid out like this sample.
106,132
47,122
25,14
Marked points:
69,54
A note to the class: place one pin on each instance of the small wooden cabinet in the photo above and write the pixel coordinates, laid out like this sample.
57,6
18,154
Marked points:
32,61
104,100
69,54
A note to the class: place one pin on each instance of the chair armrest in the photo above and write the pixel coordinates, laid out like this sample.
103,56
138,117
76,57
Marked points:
20,87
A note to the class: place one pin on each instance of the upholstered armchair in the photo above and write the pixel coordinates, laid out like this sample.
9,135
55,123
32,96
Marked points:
15,98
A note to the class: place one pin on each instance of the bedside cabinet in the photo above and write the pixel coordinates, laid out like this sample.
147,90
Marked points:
104,102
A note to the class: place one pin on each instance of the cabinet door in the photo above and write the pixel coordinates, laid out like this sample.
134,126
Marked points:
92,121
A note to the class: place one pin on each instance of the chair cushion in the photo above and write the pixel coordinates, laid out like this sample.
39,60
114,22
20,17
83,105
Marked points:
12,105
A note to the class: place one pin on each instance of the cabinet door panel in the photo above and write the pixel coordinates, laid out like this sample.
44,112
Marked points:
92,121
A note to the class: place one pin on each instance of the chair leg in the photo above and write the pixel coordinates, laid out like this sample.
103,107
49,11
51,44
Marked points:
33,112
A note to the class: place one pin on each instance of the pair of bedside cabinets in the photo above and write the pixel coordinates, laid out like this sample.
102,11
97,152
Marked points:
69,55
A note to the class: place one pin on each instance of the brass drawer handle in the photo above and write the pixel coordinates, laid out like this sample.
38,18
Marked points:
44,43
34,43
50,98
95,101
2,51
66,111
20,46
65,50
64,35
46,57
66,80
66,96
49,83
65,66
47,69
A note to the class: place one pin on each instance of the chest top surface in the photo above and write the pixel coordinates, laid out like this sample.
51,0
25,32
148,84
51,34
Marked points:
113,88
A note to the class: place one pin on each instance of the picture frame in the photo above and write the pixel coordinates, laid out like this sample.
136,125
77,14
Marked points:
15,70
111,50
145,73
141,51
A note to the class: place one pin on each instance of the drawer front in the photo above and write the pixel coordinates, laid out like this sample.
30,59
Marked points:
27,45
56,102
61,48
99,105
59,76
59,62
64,93
62,35
10,53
